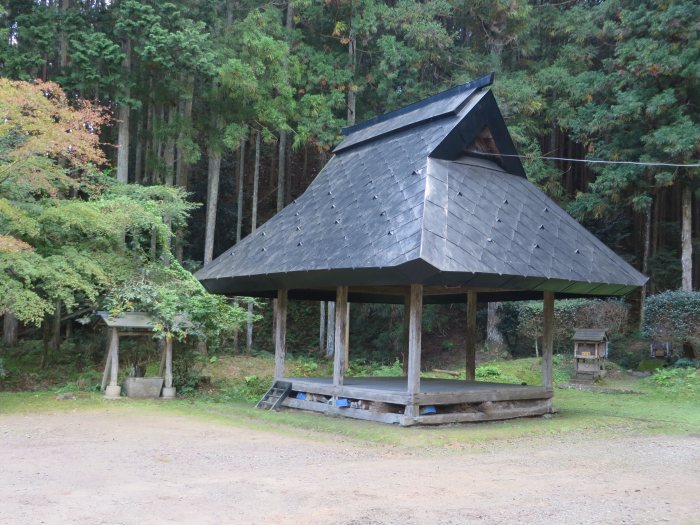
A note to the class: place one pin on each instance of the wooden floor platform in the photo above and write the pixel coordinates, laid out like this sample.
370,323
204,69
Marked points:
440,400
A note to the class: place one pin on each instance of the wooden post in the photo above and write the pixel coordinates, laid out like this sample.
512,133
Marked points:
280,315
341,335
346,362
406,322
471,336
415,313
168,361
114,350
322,328
113,390
168,388
548,340
108,363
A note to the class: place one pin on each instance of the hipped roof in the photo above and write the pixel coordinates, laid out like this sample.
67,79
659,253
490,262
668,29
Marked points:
408,199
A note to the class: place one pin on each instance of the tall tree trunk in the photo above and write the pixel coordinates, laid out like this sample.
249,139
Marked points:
645,260
212,200
63,37
249,328
239,200
157,177
256,183
281,170
55,342
282,157
352,100
138,157
185,106
46,339
149,154
239,210
493,336
123,118
9,329
169,150
322,328
183,166
687,238
330,330
154,245
253,226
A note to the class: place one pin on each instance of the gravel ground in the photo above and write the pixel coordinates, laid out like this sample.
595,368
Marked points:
119,468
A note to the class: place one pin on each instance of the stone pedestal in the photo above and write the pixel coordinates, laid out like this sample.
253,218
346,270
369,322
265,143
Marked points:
143,387
113,392
168,392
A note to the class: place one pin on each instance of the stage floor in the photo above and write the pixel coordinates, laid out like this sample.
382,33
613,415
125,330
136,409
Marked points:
385,399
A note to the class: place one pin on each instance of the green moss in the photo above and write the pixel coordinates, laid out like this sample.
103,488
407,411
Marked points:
649,365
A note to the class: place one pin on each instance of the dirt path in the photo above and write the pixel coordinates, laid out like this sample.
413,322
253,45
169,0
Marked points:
122,468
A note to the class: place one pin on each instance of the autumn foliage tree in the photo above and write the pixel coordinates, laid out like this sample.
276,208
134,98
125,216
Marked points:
71,237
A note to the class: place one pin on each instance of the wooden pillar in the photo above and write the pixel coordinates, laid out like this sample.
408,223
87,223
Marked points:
113,390
341,335
346,362
168,389
114,350
415,314
548,339
108,362
471,336
280,315
168,361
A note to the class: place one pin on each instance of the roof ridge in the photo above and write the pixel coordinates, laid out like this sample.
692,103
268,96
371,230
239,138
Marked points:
474,84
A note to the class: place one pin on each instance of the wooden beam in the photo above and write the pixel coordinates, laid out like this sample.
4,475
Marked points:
456,290
415,314
471,335
548,340
341,335
280,317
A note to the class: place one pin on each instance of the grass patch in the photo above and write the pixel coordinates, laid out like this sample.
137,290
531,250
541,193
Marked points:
669,405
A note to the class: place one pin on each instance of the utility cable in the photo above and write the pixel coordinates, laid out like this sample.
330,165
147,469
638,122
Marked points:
597,161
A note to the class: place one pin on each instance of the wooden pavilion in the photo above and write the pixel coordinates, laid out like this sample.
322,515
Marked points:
427,204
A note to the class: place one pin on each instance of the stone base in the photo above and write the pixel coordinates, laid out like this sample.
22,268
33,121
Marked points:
168,392
113,392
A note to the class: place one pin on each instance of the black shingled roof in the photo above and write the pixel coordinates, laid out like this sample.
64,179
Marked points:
405,201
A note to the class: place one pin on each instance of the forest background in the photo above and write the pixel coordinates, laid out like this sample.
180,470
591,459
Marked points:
238,104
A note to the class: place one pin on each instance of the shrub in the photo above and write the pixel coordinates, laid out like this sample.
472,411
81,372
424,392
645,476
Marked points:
494,374
522,322
187,369
684,362
677,379
673,316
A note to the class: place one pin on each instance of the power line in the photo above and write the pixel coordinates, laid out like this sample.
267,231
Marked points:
597,161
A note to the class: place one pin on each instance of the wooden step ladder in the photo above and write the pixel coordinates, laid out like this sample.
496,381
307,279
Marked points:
278,392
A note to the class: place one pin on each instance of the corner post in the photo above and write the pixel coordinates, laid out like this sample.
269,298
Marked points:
415,313
280,317
548,340
405,332
471,336
341,336
113,390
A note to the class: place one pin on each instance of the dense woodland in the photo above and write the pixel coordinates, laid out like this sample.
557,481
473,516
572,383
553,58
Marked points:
237,104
